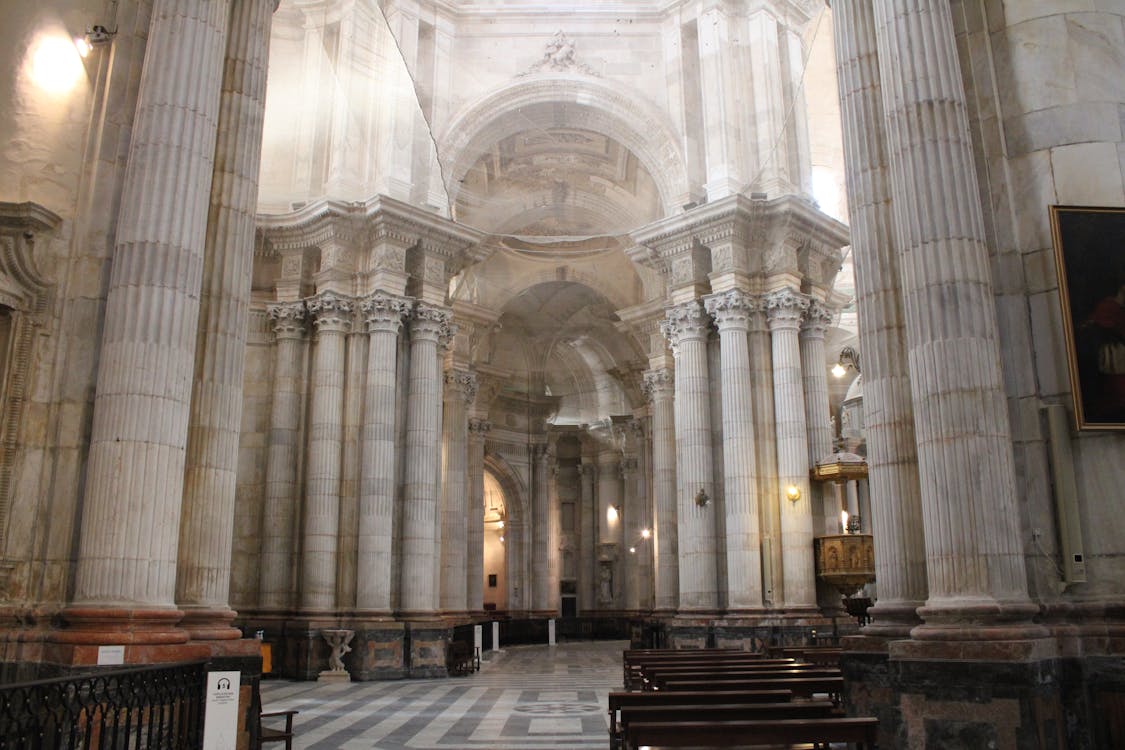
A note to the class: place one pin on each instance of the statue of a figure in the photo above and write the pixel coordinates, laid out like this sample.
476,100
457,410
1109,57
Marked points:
605,585
338,641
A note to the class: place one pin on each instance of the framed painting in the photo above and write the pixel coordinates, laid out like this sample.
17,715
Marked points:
1090,256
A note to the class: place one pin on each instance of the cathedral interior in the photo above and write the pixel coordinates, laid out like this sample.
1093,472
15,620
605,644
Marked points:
728,322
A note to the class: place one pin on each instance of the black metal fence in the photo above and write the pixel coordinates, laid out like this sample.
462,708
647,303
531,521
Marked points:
146,708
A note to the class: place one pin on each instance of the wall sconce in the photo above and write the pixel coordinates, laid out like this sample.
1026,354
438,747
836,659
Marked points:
793,492
632,550
611,513
701,498
95,36
849,358
645,533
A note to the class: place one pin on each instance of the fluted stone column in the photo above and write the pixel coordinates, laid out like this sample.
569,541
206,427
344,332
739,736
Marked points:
765,448
384,314
687,328
460,391
587,542
279,509
896,516
474,568
554,531
628,524
785,309
428,325
541,532
818,423
332,316
974,560
659,386
347,553
206,529
135,475
731,311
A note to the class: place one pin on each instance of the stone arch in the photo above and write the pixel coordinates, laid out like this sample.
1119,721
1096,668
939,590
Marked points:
551,99
518,548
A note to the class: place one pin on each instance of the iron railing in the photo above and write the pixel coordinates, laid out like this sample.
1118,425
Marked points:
144,708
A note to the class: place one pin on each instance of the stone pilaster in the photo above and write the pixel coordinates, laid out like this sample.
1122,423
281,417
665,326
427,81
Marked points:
540,525
659,387
418,596
785,309
687,328
731,311
206,528
587,541
474,568
974,560
126,567
896,516
278,514
384,314
814,379
460,391
355,386
765,448
332,316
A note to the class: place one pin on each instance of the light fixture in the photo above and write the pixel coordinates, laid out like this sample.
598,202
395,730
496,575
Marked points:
844,521
645,533
701,498
500,524
632,550
849,357
611,513
793,492
501,538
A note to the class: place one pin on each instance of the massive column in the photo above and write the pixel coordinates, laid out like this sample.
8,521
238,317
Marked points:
351,457
628,525
785,309
206,530
658,385
609,527
896,516
460,391
687,328
332,316
474,569
731,311
384,314
279,508
818,424
540,529
126,565
428,324
973,557
588,549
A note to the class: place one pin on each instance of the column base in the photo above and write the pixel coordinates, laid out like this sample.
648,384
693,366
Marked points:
149,636
892,619
428,639
210,623
378,649
978,620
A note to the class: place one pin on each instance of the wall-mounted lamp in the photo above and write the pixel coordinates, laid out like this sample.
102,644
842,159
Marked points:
501,538
611,513
844,521
645,533
793,492
632,550
849,358
701,498
95,36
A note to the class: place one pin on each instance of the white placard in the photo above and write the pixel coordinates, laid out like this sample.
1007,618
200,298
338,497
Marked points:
220,725
551,632
478,637
110,655
495,636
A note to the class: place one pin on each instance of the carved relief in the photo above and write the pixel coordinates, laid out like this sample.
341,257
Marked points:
559,57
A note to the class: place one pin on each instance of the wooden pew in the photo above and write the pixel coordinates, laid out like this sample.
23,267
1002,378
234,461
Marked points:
631,656
805,687
619,701
656,681
723,712
633,666
660,735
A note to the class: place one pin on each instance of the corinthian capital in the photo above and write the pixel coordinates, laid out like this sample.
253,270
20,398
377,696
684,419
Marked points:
732,309
817,319
430,322
658,384
384,312
785,308
331,312
684,322
464,383
288,319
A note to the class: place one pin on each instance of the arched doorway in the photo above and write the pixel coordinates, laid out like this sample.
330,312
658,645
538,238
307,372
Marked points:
495,552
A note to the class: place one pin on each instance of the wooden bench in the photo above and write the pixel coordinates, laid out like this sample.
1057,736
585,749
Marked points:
722,712
806,687
270,734
656,680
658,735
634,665
460,659
632,656
619,701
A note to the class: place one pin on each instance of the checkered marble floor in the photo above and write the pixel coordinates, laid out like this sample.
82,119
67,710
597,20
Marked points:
524,698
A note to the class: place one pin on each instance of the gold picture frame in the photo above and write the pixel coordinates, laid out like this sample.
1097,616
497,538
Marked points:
1090,257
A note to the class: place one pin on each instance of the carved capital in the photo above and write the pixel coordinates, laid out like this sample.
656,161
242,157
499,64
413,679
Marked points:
464,383
430,323
385,312
732,309
817,320
288,319
785,309
659,384
479,427
331,312
627,467
684,322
